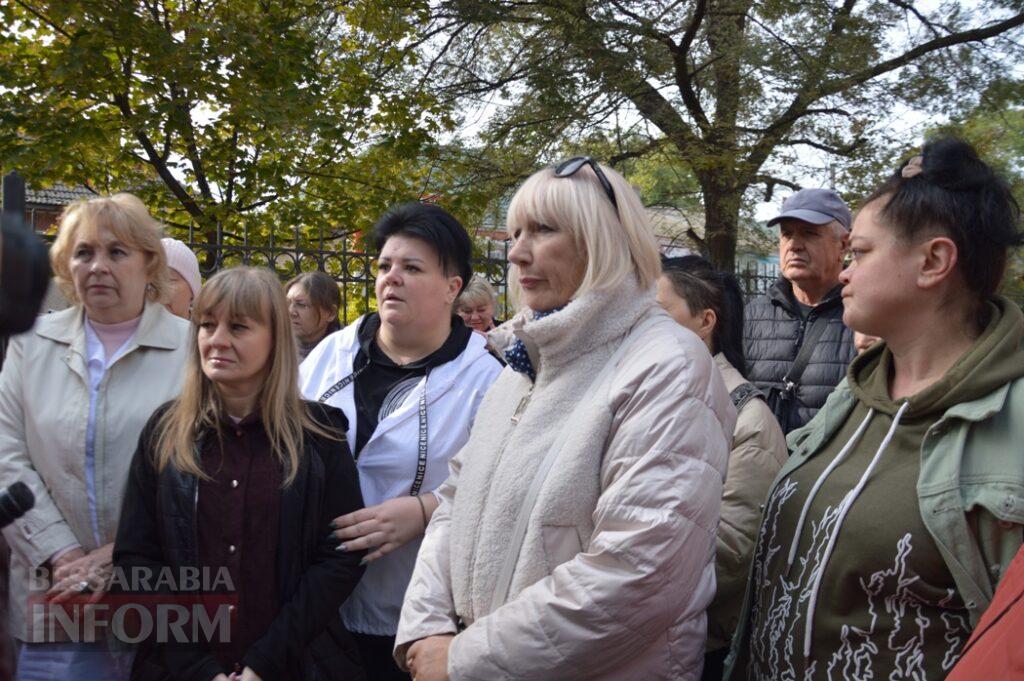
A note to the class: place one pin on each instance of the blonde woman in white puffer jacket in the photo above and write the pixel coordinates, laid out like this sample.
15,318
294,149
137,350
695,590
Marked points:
575,537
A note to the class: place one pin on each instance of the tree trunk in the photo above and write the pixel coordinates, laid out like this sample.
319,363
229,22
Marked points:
721,220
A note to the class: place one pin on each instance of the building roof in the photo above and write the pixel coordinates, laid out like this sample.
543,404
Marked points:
57,195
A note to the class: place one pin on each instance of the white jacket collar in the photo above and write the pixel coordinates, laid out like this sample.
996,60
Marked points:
158,328
595,319
348,344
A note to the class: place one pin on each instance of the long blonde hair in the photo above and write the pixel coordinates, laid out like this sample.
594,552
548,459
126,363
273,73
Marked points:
254,293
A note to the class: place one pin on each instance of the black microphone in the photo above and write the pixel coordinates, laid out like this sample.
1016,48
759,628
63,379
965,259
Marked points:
24,263
15,501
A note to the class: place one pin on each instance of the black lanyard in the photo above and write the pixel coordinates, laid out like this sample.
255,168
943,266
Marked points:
421,460
343,383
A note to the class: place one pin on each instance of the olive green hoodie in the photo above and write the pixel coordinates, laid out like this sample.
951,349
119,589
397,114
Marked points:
848,582
994,359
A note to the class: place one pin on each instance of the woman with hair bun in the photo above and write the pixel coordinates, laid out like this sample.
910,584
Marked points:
899,509
710,303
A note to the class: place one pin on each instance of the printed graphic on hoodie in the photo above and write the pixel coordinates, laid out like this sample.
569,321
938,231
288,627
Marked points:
867,595
885,606
397,396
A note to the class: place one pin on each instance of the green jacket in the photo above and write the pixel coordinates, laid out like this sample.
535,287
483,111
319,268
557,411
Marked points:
970,489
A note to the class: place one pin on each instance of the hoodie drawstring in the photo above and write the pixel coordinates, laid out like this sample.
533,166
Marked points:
844,509
843,453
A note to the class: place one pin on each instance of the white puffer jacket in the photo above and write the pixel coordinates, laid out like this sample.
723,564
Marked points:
617,566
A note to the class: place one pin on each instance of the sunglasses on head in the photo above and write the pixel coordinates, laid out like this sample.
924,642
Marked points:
571,167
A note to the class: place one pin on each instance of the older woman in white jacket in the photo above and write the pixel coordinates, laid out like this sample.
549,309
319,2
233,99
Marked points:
75,392
576,534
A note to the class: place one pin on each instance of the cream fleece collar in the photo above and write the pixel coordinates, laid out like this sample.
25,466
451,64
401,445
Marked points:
595,319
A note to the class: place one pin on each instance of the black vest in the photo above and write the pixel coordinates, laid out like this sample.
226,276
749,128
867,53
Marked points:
773,332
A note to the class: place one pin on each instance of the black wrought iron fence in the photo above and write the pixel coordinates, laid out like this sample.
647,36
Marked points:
756,279
353,268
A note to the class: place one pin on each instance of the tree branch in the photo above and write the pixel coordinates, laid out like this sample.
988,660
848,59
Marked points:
232,167
256,204
770,183
800,56
183,115
153,158
811,92
951,40
680,55
838,151
615,67
45,19
908,7
634,153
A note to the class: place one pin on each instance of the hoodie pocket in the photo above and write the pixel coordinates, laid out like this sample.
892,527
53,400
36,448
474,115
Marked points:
561,544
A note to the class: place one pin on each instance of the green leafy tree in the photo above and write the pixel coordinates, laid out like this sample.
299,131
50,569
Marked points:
249,122
741,92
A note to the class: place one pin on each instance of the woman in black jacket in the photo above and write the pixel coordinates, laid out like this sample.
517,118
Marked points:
237,482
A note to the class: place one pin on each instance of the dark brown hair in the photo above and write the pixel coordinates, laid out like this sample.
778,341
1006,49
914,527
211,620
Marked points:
696,281
322,290
958,195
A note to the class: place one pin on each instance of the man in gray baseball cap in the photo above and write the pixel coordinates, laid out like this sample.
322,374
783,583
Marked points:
796,344
815,206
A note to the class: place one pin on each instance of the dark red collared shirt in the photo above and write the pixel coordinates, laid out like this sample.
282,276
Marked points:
237,523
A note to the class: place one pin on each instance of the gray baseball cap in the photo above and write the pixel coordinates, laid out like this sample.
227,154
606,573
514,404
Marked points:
816,206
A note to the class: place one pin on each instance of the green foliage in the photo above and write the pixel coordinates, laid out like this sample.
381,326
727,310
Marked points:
742,95
664,179
253,122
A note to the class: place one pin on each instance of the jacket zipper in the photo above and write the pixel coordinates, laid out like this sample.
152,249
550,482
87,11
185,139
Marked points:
801,330
521,407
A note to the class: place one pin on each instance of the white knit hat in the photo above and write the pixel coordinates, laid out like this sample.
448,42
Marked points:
182,260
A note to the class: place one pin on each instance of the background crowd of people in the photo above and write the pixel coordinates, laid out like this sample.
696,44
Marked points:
637,476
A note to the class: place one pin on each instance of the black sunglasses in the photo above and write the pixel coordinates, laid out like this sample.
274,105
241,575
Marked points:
572,166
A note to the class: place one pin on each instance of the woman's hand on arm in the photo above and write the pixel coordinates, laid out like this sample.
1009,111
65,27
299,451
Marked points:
385,527
76,573
428,658
65,559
